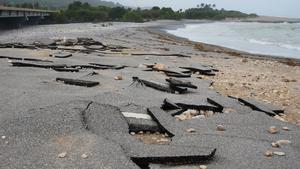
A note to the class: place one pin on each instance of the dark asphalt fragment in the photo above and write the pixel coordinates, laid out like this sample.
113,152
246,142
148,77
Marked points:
266,108
61,55
170,154
180,83
166,122
160,54
66,69
45,66
25,59
169,105
78,82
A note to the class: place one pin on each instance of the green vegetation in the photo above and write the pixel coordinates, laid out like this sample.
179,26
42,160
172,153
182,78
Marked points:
51,4
84,12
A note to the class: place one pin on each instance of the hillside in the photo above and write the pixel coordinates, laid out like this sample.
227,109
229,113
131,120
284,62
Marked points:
60,3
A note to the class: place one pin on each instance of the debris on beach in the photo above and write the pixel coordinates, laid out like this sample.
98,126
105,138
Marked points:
190,130
203,167
158,86
220,128
279,153
61,54
286,128
119,77
62,155
84,156
268,153
272,130
78,82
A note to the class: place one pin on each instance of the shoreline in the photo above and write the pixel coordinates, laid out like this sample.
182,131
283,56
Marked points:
161,31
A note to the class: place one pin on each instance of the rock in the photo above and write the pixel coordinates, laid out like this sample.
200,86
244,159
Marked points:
275,145
272,130
220,128
132,133
164,140
62,155
180,118
268,153
198,117
6,142
3,137
286,128
84,156
159,66
119,77
202,167
279,153
208,113
146,58
283,142
229,110
141,132
191,130
245,60
279,118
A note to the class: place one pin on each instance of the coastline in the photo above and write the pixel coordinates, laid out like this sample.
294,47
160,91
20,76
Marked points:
246,75
161,31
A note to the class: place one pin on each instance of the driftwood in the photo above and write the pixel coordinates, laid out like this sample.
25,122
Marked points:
78,82
180,83
159,54
26,59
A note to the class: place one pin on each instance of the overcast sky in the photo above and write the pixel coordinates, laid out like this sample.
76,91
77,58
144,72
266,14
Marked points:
287,8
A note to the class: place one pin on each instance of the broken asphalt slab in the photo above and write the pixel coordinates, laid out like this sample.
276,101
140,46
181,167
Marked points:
82,127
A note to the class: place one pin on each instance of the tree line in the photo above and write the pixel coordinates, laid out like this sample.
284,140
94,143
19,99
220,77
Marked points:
84,12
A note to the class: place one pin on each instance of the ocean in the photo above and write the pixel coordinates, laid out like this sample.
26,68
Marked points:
278,39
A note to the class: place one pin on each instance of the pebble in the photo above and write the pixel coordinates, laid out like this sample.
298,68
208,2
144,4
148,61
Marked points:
268,153
119,77
3,137
146,58
275,144
202,167
62,155
220,128
286,128
279,153
198,117
283,142
191,130
132,133
272,130
84,156
141,132
163,140
279,118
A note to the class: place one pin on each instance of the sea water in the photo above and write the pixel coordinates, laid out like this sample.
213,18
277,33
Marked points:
278,39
